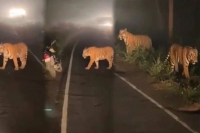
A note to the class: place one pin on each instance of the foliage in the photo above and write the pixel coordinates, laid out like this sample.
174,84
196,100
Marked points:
140,56
153,63
119,49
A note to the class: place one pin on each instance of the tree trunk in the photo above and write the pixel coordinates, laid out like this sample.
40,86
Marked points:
197,25
170,30
159,16
198,21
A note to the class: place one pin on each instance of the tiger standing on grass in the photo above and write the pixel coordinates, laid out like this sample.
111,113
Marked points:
133,42
182,55
14,51
96,54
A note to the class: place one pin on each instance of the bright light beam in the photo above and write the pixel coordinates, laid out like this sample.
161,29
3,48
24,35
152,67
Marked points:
107,24
17,12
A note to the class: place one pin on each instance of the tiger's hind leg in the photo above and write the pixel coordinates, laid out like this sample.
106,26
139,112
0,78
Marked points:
110,62
23,62
5,60
15,63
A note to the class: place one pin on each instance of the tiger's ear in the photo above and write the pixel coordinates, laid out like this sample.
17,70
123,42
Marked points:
125,29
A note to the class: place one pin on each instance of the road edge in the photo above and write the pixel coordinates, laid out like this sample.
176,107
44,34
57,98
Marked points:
65,102
176,118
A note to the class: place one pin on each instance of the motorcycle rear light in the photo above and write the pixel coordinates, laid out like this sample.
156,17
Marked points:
46,56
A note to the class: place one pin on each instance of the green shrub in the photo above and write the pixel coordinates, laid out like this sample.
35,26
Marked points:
140,56
191,95
156,67
153,63
119,50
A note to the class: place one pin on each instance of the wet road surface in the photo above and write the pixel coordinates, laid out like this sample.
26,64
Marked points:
100,102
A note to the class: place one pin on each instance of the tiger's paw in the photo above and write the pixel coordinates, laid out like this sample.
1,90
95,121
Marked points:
96,68
108,68
16,69
87,68
22,67
2,68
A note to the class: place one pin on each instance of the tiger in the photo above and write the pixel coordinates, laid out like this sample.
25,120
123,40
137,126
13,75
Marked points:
99,53
183,55
133,42
14,51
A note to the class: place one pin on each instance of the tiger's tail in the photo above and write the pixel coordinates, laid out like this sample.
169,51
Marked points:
112,58
26,54
167,57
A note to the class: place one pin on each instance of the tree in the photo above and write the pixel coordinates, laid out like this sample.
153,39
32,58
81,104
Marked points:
170,30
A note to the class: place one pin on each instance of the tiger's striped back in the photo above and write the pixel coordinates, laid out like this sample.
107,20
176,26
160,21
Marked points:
133,42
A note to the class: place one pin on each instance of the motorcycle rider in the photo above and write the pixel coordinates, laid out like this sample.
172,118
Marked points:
50,50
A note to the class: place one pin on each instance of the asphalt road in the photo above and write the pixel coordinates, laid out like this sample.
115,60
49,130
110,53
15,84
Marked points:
22,97
100,102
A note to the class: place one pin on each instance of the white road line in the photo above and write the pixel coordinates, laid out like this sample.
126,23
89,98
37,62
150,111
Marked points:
157,104
65,103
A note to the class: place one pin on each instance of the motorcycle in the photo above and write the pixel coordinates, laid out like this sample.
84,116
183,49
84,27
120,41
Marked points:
51,62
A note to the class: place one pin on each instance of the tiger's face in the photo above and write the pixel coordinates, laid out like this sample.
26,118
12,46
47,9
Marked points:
1,48
193,56
85,53
122,34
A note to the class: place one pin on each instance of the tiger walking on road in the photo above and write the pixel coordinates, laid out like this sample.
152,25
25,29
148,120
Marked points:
96,54
14,51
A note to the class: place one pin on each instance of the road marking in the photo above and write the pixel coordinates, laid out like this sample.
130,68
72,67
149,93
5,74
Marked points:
157,104
65,103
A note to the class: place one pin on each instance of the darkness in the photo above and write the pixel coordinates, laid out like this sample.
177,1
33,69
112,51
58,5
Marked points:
140,16
47,20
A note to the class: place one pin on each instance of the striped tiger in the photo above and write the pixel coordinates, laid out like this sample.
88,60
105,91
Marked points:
182,55
133,42
14,51
96,54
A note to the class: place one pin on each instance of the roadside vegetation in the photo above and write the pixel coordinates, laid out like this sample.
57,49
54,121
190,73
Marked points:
153,64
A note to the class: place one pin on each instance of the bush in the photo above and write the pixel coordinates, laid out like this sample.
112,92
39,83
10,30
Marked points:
191,95
153,63
138,56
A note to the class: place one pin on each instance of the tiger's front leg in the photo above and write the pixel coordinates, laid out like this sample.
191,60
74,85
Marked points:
90,64
128,50
97,64
5,60
186,71
176,67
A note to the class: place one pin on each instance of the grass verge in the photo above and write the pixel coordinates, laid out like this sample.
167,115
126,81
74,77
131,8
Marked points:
153,63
